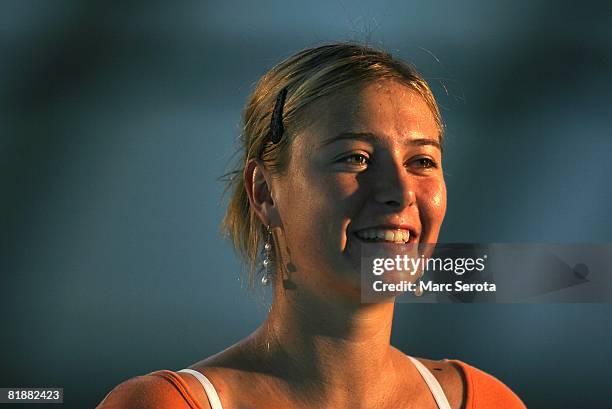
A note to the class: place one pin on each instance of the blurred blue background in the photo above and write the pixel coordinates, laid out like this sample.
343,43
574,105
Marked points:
117,118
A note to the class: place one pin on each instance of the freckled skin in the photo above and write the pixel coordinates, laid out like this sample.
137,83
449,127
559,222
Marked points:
320,202
320,346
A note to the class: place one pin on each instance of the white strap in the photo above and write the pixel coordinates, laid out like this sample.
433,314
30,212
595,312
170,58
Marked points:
434,385
209,389
432,382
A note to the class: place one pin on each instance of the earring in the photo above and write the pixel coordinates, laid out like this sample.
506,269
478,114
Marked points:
267,277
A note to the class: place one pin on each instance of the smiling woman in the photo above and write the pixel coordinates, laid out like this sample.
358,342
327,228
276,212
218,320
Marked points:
342,154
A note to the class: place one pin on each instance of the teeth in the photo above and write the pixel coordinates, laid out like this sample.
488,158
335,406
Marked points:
390,235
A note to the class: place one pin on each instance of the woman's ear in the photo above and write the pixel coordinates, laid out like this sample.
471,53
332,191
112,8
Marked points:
257,182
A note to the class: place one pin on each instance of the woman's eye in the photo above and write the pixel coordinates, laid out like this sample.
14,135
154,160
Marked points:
356,159
425,163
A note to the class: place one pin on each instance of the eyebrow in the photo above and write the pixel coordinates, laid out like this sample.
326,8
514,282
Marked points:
368,137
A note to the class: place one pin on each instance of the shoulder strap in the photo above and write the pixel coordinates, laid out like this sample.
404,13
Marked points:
432,382
209,389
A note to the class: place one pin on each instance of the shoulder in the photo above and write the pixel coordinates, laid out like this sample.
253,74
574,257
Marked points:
159,389
484,390
451,380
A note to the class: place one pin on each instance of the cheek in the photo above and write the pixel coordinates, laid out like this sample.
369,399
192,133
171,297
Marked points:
324,206
316,206
432,203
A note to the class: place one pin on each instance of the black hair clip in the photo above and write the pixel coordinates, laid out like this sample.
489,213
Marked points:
276,123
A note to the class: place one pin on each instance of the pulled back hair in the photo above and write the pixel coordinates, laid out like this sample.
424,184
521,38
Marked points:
306,76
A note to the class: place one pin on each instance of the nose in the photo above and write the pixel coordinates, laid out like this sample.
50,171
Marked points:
394,186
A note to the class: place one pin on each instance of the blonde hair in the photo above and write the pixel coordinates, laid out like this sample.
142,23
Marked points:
307,76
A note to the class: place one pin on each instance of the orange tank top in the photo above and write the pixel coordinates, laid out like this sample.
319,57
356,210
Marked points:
166,389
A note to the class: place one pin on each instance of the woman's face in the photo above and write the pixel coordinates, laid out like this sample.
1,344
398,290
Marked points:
365,169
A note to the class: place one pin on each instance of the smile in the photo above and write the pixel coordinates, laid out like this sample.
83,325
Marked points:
397,236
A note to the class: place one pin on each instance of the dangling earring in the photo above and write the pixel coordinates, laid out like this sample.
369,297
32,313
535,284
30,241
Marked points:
267,277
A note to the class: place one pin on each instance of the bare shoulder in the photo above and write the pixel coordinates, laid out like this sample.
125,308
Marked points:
160,389
197,389
451,379
222,371
239,378
226,380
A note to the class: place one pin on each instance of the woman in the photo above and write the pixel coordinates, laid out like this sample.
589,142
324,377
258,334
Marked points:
342,153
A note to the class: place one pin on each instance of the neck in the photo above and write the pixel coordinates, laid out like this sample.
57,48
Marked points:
323,348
